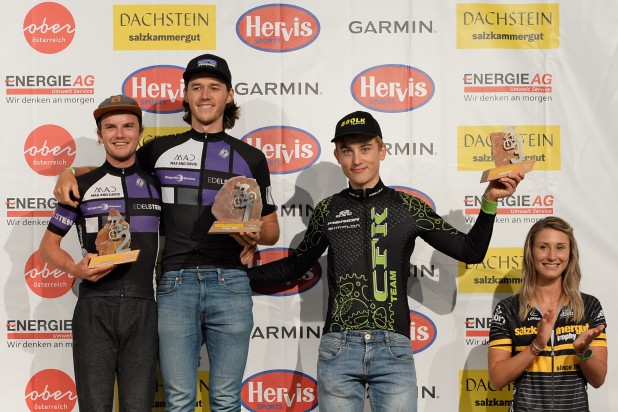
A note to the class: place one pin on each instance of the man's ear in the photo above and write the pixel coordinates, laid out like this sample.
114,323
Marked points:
336,153
383,152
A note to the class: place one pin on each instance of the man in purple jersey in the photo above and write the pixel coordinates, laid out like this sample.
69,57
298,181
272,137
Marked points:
115,318
204,294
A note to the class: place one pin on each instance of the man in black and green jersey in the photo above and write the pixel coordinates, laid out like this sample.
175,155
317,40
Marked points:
370,230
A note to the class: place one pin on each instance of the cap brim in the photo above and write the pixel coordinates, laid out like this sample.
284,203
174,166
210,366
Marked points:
119,108
354,133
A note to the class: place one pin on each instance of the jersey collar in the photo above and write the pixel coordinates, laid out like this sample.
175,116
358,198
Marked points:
362,194
201,136
119,171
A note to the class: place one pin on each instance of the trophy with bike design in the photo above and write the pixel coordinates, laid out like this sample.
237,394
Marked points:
237,207
113,242
508,155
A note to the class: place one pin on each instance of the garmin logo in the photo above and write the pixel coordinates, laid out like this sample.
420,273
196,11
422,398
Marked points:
410,149
390,27
283,332
300,210
278,89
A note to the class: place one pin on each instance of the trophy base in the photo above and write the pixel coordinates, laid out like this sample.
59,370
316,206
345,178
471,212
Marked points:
235,226
113,259
498,172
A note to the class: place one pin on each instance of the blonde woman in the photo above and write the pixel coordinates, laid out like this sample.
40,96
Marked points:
549,338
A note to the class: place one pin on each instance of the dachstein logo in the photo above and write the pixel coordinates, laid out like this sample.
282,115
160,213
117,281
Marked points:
508,26
49,28
157,89
392,88
306,282
278,28
50,389
423,331
279,389
416,193
476,392
49,149
287,149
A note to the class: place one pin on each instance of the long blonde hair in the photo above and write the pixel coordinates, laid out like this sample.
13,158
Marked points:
571,276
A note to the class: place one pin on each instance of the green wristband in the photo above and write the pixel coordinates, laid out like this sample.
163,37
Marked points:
491,208
71,169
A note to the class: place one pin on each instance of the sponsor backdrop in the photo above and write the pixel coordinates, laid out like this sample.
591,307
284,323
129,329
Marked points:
439,76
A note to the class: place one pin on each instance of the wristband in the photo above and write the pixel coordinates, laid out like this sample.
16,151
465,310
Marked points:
535,349
71,169
489,207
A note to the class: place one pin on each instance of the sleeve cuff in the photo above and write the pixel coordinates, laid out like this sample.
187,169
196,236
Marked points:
491,208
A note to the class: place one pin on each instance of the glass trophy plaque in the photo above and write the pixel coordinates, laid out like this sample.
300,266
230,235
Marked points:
113,243
237,207
508,155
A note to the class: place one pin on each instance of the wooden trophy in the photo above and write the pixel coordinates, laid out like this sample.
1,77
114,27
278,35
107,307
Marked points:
237,207
113,242
508,156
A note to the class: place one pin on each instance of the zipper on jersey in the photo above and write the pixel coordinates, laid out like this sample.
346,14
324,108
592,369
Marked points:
367,256
552,370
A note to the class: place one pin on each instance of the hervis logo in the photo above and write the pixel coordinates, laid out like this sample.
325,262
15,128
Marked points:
287,149
157,89
306,282
392,88
278,28
423,331
279,389
416,193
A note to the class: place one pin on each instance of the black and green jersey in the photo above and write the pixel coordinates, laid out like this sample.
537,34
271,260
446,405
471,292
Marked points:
554,381
370,237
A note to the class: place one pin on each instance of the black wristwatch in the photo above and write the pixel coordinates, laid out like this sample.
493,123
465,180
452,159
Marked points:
585,354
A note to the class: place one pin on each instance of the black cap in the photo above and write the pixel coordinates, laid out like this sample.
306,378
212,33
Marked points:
208,64
117,103
357,123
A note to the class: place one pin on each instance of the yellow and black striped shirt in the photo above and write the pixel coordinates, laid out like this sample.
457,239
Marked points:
553,382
